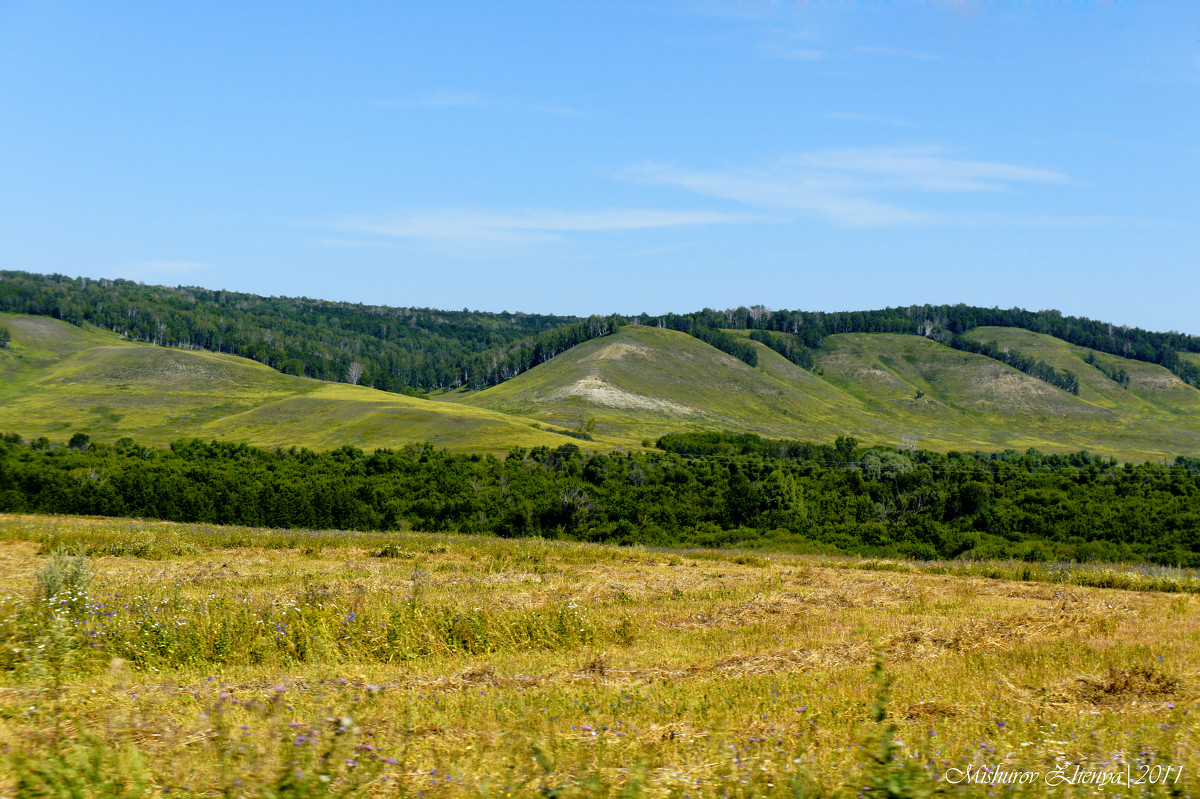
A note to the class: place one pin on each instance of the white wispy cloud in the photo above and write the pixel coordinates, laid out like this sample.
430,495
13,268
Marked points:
525,225
851,188
924,168
831,197
844,187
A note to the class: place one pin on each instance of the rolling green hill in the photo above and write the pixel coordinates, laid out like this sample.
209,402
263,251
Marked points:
882,388
1152,390
59,379
966,395
638,383
398,348
644,381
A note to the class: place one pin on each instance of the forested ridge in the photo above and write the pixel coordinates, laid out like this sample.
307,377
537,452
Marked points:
708,490
395,348
421,349
947,324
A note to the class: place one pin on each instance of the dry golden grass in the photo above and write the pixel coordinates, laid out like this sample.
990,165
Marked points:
697,675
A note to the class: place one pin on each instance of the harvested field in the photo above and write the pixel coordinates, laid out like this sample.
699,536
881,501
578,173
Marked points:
219,661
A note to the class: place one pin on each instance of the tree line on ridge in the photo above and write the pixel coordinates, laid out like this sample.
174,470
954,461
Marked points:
415,350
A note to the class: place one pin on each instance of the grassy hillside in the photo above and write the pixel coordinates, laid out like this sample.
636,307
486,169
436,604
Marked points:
59,379
1152,390
638,383
952,399
396,347
645,381
881,388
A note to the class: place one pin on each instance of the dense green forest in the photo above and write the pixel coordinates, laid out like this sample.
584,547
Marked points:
702,489
407,349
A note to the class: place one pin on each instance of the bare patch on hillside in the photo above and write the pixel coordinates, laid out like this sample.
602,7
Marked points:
923,404
1157,382
878,375
600,392
44,328
1015,393
618,351
849,364
1010,391
152,368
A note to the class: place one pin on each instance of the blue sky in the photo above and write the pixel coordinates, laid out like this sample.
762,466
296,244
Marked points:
626,157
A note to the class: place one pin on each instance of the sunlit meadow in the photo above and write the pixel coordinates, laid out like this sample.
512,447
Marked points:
146,658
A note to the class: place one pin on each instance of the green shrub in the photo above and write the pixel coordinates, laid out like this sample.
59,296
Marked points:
62,583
